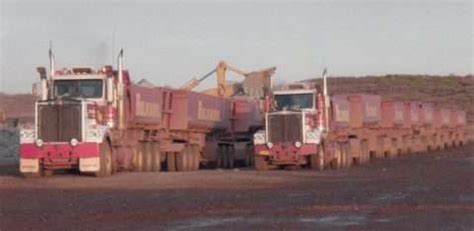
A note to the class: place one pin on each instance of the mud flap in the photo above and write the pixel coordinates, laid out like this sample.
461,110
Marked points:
91,164
29,165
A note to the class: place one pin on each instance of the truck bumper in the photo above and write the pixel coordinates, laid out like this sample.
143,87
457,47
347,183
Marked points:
286,153
59,156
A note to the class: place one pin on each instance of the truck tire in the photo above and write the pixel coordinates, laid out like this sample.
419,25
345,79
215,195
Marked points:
260,163
181,161
171,161
105,161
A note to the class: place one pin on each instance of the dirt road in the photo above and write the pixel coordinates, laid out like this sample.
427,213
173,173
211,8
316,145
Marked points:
418,192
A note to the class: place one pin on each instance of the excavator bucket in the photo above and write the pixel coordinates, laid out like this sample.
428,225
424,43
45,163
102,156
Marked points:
258,84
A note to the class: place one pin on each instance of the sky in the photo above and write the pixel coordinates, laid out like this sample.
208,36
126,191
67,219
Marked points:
170,42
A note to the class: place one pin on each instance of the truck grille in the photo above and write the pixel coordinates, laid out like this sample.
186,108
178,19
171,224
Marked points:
59,123
285,127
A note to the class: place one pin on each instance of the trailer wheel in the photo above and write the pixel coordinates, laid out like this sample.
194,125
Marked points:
171,161
189,158
260,163
225,156
248,155
181,161
339,161
156,158
347,155
196,157
230,156
219,157
105,161
147,158
139,165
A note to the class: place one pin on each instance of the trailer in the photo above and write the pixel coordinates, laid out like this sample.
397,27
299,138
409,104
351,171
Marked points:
306,127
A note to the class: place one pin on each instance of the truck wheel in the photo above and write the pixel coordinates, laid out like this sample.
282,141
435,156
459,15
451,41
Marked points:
171,161
260,163
181,161
105,161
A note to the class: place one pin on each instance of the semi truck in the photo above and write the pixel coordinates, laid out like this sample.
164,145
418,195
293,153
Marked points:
307,127
100,122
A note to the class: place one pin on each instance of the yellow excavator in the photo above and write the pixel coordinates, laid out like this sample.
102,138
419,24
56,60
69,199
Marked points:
256,84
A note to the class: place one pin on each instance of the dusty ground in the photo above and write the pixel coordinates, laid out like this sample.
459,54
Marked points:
418,192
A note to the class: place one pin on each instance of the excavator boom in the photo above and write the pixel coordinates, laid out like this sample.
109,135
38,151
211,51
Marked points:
256,83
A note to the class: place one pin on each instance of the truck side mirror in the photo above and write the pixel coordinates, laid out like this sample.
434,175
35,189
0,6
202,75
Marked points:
36,90
110,89
40,91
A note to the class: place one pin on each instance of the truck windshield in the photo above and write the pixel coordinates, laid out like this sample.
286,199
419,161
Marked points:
90,88
293,102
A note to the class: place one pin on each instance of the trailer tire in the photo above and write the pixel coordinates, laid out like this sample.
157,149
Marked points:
156,158
230,157
225,156
105,161
139,158
196,157
147,158
347,155
260,163
189,158
171,161
181,161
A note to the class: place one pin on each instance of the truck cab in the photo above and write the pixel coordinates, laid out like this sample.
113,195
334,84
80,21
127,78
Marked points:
293,128
73,115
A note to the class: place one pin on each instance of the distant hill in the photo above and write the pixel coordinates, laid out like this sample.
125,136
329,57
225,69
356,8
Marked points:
449,91
18,106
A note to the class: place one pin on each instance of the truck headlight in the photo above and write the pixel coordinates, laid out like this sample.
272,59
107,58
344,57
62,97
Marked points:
313,137
74,142
298,144
27,136
39,142
270,145
259,138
